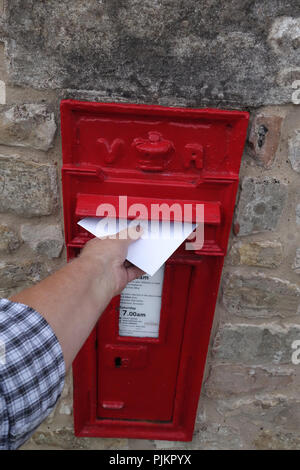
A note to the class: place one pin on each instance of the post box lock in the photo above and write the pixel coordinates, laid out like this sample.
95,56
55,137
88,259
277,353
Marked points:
139,374
124,357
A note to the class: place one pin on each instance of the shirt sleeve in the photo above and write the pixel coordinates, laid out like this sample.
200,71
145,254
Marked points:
32,372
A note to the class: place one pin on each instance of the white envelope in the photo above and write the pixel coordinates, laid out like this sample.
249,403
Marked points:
158,242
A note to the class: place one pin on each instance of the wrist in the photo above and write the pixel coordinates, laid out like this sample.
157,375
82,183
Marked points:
94,273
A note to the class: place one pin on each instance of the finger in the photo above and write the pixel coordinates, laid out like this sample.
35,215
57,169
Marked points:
133,273
130,234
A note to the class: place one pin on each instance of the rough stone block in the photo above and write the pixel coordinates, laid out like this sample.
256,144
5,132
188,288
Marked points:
2,92
227,380
147,50
27,125
207,436
256,344
298,214
9,240
64,438
284,36
265,254
294,151
296,264
28,188
260,205
13,274
257,295
44,239
264,138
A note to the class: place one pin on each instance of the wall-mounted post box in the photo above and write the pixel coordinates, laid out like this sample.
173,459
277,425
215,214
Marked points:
139,374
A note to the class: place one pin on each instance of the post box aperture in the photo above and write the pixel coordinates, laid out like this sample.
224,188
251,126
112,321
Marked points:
139,374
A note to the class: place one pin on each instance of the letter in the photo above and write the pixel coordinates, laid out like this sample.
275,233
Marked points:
187,459
106,225
156,457
112,461
139,461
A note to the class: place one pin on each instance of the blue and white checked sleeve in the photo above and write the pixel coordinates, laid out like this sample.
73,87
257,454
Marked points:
32,372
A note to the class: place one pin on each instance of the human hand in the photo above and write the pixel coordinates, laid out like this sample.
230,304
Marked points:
106,258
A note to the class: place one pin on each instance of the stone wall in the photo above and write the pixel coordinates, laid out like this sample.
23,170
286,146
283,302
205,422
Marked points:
239,55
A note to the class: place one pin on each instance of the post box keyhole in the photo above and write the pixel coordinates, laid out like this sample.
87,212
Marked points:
118,361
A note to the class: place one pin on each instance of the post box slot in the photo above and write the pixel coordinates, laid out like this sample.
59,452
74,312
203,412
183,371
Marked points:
87,205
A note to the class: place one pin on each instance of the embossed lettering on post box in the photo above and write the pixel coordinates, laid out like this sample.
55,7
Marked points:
139,374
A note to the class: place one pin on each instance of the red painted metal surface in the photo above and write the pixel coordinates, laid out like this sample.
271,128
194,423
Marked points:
149,387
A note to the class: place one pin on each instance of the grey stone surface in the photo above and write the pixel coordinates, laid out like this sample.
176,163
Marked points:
296,264
207,436
27,188
258,295
229,380
298,214
9,240
229,54
27,125
64,438
264,254
13,274
44,239
260,205
294,151
256,344
277,440
264,138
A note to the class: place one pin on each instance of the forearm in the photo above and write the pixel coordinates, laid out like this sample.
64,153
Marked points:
71,300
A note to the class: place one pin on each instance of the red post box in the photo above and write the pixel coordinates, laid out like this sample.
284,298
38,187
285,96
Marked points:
140,376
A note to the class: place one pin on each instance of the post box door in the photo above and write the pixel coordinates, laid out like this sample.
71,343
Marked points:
137,376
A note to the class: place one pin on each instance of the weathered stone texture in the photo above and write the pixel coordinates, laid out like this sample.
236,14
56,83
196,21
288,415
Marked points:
277,440
264,138
208,436
256,344
284,36
294,151
296,264
257,295
65,439
298,214
203,52
27,188
27,125
229,380
13,274
9,240
44,239
266,254
260,205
